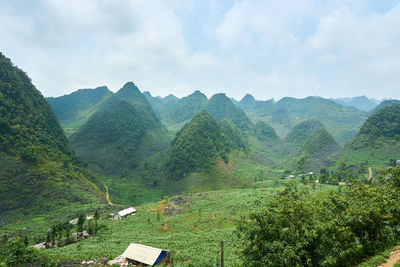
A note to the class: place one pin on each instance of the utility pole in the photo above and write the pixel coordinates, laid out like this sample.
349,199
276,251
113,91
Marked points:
222,253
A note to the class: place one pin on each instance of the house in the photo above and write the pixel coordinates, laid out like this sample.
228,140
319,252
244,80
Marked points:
73,221
290,177
139,254
342,184
40,245
123,213
310,173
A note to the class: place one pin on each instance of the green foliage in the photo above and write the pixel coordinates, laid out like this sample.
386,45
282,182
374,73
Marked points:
221,107
35,159
74,110
381,130
196,147
266,133
118,138
311,143
296,228
18,254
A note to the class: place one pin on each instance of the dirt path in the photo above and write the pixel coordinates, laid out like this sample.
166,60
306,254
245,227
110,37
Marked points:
107,195
394,257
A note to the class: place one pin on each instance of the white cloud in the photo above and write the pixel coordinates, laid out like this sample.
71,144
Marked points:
267,48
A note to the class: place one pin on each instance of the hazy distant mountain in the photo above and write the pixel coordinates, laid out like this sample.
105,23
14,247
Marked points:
184,109
342,122
161,105
384,104
74,110
256,107
360,102
37,171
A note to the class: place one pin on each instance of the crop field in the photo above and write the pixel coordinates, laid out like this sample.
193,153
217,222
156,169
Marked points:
190,226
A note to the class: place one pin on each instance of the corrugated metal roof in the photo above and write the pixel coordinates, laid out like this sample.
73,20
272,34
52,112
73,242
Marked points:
127,211
141,253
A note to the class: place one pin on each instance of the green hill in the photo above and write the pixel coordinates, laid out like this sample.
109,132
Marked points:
37,171
161,105
118,138
184,110
196,147
342,122
221,107
359,102
380,130
311,142
74,110
384,104
254,107
265,132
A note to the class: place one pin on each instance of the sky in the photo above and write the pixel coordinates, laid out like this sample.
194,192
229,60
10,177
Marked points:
270,49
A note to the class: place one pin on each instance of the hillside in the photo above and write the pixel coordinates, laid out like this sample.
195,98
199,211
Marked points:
74,110
184,110
342,122
359,102
383,104
380,130
161,105
311,141
115,140
221,107
255,107
196,147
265,132
37,171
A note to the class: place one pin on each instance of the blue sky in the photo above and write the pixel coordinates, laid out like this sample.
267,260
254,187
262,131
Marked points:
270,49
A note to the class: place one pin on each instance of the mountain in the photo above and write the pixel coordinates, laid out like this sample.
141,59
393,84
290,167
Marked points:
380,130
161,105
131,94
221,107
312,141
342,122
184,109
384,104
196,147
37,171
74,110
117,138
360,102
265,132
255,107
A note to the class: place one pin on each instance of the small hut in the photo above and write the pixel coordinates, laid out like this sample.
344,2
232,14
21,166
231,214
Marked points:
139,254
123,213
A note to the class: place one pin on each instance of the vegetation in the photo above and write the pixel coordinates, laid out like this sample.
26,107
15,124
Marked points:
74,110
311,143
196,147
295,228
118,138
37,169
221,107
381,130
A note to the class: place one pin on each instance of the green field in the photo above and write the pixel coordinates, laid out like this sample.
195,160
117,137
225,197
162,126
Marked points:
195,225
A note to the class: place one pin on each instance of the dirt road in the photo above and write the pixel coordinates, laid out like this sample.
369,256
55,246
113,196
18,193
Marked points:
107,195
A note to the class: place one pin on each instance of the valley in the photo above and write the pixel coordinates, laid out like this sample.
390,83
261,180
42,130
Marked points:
198,170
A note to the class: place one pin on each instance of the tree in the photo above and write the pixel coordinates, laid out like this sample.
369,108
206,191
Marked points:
96,217
81,221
